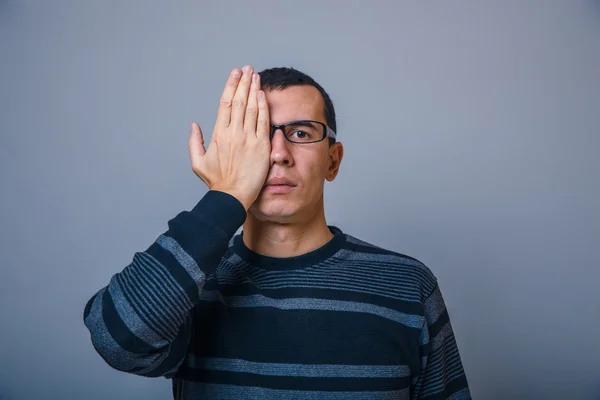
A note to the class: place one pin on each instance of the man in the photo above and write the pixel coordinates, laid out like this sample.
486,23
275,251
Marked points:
290,308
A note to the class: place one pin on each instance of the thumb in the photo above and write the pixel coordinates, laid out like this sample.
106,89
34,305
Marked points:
196,143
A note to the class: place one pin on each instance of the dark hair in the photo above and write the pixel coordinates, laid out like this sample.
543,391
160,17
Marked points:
282,77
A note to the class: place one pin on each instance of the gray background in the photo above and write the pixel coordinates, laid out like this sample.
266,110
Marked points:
472,143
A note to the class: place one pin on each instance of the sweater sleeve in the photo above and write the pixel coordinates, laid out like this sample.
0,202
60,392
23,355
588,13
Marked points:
442,376
141,322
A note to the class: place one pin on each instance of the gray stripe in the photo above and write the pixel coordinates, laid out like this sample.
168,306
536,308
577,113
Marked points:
437,371
383,258
384,271
409,278
441,384
331,278
162,274
358,287
167,288
257,300
367,264
434,306
407,285
438,380
424,335
138,303
193,390
158,296
445,332
444,353
382,253
131,318
464,394
115,355
152,303
183,258
299,370
386,283
376,268
380,267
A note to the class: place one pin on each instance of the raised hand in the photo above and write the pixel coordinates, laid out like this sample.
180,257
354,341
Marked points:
238,157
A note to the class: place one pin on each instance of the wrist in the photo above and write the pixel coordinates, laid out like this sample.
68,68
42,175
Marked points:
245,202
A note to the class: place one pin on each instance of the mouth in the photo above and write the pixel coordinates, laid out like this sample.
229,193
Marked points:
279,182
279,185
278,189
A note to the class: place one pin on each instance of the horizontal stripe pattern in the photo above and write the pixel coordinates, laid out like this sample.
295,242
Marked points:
353,321
463,394
303,370
114,354
132,319
195,390
183,258
149,298
413,321
380,276
248,289
295,383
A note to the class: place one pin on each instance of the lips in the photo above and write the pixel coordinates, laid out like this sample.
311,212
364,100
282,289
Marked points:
279,186
279,182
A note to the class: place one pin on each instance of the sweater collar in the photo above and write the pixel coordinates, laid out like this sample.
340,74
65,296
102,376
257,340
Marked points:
304,260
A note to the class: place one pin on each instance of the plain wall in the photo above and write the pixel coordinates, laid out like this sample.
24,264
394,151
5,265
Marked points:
471,131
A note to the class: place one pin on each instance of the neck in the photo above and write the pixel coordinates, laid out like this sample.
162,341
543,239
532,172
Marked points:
290,239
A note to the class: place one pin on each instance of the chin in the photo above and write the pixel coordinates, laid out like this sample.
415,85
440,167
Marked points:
276,210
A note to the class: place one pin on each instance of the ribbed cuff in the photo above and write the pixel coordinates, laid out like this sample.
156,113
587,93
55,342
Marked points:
222,209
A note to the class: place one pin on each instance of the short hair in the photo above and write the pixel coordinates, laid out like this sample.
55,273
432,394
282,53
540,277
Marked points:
282,77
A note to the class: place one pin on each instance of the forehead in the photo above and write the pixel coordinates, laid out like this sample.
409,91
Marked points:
294,103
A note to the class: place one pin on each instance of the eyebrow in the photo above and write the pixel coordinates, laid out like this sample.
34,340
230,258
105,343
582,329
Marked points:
301,123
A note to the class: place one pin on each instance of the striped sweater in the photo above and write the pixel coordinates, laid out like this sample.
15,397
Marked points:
347,321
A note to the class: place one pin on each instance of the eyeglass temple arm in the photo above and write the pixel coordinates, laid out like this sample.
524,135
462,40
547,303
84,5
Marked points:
331,133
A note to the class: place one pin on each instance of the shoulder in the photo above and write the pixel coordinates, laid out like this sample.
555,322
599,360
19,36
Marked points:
391,264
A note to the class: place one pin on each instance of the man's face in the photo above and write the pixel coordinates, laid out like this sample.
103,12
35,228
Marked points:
305,166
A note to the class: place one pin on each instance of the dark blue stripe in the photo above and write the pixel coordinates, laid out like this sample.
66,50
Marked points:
88,305
146,315
437,326
177,352
119,331
174,293
170,315
249,288
302,336
178,273
295,382
146,296
452,387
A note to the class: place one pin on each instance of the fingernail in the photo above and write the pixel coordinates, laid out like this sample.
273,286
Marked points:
247,69
261,95
235,73
254,77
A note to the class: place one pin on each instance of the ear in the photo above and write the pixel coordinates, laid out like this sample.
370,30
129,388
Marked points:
336,153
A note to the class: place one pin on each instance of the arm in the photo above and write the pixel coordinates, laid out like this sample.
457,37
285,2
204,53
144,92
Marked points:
140,322
442,375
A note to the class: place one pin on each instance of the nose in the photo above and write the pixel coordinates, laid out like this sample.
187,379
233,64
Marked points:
280,152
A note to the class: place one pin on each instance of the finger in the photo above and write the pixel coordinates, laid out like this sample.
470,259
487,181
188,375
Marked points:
252,107
263,125
224,113
240,99
196,143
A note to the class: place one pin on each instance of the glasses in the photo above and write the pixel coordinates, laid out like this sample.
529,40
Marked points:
304,131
